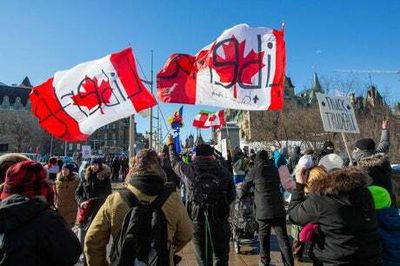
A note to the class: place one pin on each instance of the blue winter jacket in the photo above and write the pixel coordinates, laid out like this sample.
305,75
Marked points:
389,230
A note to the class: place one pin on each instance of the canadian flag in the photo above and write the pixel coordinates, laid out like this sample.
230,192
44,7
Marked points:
244,68
208,119
75,102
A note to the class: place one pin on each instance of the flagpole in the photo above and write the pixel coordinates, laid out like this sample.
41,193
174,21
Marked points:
132,136
65,148
228,139
151,109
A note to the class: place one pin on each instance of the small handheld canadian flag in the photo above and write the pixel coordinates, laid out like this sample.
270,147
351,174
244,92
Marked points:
208,119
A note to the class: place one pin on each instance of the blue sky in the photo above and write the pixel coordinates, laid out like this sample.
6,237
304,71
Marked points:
40,37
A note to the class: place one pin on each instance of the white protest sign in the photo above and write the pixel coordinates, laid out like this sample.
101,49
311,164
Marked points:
86,152
337,114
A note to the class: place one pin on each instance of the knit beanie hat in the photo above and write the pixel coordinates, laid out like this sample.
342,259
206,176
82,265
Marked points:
381,197
97,161
365,144
8,160
28,178
204,150
331,161
69,166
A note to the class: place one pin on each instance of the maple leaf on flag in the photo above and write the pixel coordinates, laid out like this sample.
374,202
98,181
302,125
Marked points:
94,94
235,66
212,118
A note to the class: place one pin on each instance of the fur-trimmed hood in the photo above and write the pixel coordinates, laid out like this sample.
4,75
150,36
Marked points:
374,160
104,173
339,182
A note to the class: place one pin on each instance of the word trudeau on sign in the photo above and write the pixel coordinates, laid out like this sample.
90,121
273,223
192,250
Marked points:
337,114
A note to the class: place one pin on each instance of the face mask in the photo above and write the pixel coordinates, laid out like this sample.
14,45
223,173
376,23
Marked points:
359,154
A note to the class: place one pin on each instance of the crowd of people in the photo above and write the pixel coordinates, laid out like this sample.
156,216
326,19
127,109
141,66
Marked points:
342,211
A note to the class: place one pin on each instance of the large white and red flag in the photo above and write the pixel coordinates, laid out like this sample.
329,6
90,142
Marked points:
205,119
75,102
244,68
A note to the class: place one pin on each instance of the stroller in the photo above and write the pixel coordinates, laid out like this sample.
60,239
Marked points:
242,219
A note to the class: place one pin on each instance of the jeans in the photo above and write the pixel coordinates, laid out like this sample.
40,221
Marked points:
279,225
220,234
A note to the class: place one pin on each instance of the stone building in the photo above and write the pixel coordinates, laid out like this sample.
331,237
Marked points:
13,99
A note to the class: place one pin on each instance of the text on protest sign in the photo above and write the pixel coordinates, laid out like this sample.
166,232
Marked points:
86,152
337,114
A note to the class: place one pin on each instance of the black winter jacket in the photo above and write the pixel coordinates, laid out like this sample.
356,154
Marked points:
95,186
344,210
35,235
166,166
379,169
294,159
264,176
187,174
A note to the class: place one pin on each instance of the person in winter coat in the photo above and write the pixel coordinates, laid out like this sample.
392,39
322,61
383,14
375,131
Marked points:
64,187
375,161
204,172
146,180
294,159
166,166
342,206
94,189
270,211
115,167
389,225
279,157
31,232
124,166
312,174
239,166
52,168
8,160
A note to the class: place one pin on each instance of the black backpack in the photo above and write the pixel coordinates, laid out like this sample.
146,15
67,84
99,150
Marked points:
208,195
143,238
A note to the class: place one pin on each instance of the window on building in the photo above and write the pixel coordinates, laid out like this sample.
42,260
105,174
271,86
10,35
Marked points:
114,136
114,126
78,146
70,146
105,136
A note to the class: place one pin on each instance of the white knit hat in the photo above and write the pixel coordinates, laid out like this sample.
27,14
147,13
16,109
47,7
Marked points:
331,161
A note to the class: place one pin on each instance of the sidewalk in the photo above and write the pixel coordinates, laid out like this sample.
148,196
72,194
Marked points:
248,256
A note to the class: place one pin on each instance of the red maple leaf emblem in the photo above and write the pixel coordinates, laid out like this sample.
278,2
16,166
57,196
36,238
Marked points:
94,94
212,118
235,66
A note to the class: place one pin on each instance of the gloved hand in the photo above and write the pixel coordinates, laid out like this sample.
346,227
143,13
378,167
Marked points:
170,140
